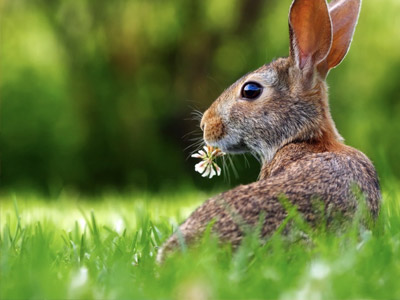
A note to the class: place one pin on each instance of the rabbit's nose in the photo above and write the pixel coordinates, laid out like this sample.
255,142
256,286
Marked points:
202,124
206,116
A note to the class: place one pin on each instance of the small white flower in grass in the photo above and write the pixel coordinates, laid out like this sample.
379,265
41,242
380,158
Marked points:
82,223
79,278
118,225
319,270
207,167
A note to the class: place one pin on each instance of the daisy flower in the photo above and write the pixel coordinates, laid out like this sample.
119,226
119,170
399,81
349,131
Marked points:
207,167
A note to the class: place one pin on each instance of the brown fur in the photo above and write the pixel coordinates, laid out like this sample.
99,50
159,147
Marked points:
290,127
215,126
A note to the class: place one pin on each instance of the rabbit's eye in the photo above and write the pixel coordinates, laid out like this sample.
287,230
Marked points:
251,90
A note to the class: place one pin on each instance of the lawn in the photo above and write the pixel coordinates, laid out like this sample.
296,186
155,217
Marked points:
104,248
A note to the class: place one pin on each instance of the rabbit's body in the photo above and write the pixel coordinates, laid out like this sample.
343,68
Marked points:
301,173
281,113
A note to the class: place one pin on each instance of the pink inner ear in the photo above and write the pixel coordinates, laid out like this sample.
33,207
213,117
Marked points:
344,16
304,60
311,31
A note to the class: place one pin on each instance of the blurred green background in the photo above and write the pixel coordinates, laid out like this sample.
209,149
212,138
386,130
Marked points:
98,95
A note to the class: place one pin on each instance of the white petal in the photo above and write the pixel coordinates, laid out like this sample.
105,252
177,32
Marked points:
207,171
212,173
220,153
196,155
218,169
200,167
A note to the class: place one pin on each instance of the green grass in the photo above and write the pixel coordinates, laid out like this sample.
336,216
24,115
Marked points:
105,249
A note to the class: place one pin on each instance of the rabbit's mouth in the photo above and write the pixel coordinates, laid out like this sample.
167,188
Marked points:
232,148
237,148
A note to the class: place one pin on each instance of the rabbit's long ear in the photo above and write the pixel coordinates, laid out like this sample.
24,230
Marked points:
344,15
310,31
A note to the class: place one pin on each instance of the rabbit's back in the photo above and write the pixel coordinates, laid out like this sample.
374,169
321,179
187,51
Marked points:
299,175
301,171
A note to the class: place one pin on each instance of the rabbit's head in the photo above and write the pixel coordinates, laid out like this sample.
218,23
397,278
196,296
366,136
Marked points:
286,100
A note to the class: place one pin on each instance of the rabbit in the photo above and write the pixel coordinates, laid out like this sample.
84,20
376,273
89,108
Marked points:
281,112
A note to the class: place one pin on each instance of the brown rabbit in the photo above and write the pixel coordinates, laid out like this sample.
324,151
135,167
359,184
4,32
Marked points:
280,111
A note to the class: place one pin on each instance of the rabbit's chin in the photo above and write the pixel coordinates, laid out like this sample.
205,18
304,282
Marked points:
229,147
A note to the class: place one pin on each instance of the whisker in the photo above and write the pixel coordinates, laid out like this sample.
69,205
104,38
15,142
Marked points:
197,134
195,131
235,172
196,114
197,145
246,161
197,139
255,155
196,118
225,169
196,110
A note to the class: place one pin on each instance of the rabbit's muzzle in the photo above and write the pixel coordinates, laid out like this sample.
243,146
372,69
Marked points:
212,126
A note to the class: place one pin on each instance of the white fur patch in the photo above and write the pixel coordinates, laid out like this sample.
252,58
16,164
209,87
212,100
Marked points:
267,77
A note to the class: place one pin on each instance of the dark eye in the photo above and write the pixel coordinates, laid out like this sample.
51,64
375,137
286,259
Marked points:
251,90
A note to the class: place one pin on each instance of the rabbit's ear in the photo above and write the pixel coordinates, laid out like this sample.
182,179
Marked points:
310,33
344,15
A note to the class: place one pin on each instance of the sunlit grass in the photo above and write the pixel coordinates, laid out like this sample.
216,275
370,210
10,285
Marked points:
105,249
